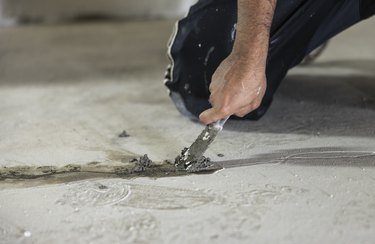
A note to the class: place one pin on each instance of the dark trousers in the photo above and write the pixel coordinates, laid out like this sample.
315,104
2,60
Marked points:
204,38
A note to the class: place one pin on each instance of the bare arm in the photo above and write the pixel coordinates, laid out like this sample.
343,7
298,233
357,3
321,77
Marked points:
239,83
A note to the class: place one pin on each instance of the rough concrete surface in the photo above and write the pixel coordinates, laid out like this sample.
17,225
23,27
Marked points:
303,174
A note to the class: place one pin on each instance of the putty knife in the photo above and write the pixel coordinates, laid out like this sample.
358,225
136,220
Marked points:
200,145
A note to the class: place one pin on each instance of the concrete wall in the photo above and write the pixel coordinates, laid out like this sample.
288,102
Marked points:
52,10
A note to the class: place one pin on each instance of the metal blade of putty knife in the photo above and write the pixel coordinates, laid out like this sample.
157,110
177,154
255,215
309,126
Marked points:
200,145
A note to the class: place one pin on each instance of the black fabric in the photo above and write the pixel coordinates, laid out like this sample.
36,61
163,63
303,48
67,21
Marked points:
367,8
205,38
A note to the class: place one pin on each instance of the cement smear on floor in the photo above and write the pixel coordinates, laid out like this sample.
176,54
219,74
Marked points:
131,169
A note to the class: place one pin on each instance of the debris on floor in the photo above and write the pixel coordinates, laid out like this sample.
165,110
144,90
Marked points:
200,165
123,134
137,166
142,163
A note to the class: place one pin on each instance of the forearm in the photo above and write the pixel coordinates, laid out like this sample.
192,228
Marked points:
239,83
253,29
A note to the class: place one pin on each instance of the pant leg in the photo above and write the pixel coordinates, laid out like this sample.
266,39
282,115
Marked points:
367,8
340,18
205,37
200,42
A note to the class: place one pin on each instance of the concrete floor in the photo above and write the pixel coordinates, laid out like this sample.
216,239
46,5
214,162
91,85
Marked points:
303,174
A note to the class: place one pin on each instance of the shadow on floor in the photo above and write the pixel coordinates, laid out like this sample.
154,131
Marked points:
359,65
326,105
319,156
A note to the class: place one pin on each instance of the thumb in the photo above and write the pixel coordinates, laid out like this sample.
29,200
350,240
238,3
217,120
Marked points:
211,115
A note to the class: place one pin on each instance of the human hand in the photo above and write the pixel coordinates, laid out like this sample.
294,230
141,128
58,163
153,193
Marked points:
237,88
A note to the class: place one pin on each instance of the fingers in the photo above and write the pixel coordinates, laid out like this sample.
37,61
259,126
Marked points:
228,98
212,115
246,110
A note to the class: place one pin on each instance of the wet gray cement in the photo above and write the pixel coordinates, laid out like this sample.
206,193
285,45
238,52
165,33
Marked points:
136,167
192,158
303,174
142,166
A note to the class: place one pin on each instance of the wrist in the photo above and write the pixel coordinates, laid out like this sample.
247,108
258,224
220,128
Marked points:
253,57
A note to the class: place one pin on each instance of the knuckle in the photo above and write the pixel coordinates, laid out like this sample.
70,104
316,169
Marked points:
203,119
214,77
256,105
241,115
224,110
